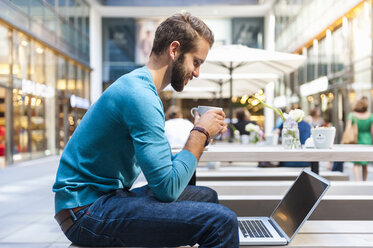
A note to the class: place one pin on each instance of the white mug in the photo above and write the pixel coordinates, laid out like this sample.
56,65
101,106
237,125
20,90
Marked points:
202,109
323,137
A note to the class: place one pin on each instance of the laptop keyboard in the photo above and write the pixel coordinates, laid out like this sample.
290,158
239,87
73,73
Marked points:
254,229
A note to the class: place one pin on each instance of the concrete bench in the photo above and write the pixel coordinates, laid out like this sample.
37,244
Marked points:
343,201
330,207
281,187
220,175
328,234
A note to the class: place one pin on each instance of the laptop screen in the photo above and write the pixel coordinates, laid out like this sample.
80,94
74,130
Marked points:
298,202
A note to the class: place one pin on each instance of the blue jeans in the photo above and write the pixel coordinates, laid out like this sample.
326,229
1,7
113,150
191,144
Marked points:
337,166
136,218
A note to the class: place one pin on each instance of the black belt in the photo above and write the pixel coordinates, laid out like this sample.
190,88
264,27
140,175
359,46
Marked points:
66,217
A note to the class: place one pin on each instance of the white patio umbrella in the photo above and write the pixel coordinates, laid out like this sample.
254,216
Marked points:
208,86
233,59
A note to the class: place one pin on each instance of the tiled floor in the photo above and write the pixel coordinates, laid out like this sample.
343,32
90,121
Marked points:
27,208
26,205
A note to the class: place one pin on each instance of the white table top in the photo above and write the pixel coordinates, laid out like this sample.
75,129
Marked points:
333,234
237,152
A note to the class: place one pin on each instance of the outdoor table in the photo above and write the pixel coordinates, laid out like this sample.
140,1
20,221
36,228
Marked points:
226,152
333,234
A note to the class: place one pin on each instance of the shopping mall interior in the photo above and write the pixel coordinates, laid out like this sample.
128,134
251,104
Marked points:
58,56
269,57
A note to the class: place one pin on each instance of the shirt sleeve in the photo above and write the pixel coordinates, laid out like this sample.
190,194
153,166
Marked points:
167,175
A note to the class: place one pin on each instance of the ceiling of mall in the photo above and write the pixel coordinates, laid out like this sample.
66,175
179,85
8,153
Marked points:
201,8
167,3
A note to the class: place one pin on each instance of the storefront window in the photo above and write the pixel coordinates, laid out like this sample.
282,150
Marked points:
311,64
87,88
323,59
37,126
62,102
37,63
21,125
4,55
2,125
79,82
50,77
50,19
36,10
21,56
361,43
339,51
71,77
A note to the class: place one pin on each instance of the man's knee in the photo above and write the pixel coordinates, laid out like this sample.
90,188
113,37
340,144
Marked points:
223,228
209,194
199,193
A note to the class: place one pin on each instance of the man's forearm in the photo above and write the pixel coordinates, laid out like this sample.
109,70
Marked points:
196,143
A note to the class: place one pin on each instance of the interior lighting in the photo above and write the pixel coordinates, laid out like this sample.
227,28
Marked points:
234,99
24,43
39,50
255,102
260,96
244,99
4,69
351,96
310,98
331,95
15,69
322,96
61,84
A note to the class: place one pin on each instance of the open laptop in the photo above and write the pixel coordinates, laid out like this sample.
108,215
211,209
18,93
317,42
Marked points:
289,215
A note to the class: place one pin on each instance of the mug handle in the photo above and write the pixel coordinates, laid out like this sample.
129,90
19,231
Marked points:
192,111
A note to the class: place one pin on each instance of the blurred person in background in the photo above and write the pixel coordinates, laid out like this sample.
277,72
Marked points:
243,118
314,119
121,135
364,120
176,128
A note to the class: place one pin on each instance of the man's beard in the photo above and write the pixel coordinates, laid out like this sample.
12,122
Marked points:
179,75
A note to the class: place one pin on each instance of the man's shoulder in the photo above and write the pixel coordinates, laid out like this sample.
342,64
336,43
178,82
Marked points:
135,77
138,82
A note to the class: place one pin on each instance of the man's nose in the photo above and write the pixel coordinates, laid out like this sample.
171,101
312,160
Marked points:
196,72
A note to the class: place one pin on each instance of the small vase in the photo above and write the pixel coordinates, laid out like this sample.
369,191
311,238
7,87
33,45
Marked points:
290,135
253,137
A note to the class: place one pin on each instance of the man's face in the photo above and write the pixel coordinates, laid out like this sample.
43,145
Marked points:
179,75
187,65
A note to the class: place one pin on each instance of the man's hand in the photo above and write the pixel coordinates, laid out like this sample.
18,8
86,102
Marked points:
213,122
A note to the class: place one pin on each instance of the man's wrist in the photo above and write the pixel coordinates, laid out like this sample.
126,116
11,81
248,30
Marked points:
202,130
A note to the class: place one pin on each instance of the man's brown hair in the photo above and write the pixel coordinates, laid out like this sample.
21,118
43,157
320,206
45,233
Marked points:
184,28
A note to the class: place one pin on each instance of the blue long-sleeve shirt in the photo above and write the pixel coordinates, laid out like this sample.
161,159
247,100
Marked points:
120,135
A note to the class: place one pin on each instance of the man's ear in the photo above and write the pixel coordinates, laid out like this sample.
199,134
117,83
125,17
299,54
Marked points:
174,49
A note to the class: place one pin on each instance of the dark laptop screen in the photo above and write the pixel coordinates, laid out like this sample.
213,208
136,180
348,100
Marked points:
298,202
